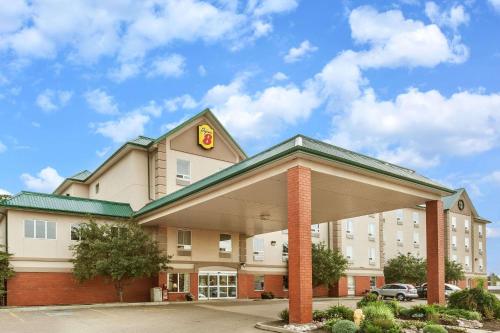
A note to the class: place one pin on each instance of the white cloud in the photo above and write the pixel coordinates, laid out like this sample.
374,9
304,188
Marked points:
169,66
202,71
495,4
298,53
129,125
52,100
169,126
45,181
4,192
3,147
453,18
102,152
101,102
184,102
493,232
127,31
279,76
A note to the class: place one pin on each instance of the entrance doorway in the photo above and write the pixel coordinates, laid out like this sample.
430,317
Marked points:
217,285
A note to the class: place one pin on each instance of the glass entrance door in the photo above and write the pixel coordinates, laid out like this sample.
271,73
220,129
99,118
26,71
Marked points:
217,285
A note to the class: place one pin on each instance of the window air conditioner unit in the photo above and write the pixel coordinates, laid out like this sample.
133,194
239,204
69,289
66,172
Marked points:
184,247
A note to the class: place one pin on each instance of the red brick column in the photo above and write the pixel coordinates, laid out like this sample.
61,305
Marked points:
162,279
193,285
435,252
299,244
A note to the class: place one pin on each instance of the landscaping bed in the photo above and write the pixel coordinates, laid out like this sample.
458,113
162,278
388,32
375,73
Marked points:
473,308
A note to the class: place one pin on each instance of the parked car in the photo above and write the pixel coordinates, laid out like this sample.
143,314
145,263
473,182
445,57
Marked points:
448,290
400,291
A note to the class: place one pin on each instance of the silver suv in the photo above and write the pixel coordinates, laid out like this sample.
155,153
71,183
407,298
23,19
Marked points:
400,291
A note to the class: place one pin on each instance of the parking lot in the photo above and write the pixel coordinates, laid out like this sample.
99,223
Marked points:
239,316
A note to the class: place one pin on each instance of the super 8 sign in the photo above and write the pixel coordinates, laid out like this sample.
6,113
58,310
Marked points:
206,136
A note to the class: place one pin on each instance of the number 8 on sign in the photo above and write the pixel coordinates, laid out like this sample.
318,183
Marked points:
206,136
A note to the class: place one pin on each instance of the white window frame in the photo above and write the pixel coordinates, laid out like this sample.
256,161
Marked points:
453,223
480,230
399,216
454,242
315,230
400,237
349,228
467,262
371,230
187,283
467,243
230,240
45,228
349,253
480,264
416,238
480,247
263,285
258,245
184,177
372,255
467,225
454,258
185,247
416,219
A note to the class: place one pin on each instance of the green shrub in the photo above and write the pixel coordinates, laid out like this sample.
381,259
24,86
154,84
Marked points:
369,327
367,299
459,313
344,326
340,311
267,295
434,329
420,312
448,320
476,299
329,324
394,306
319,315
378,311
284,315
380,326
413,324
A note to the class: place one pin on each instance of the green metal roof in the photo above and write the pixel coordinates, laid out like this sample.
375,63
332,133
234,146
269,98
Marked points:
60,203
451,200
297,143
81,176
142,141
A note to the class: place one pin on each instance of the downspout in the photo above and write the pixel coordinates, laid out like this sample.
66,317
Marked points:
149,176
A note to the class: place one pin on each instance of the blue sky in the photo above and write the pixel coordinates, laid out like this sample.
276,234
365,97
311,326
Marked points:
411,82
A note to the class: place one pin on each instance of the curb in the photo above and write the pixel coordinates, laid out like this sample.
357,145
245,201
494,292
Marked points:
263,326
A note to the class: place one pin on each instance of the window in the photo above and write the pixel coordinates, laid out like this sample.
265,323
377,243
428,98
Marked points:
453,223
315,230
184,240
349,228
480,230
348,253
285,282
284,252
258,249
371,256
39,229
416,238
183,170
480,247
416,219
467,225
75,232
97,188
371,230
454,242
467,262
399,237
399,216
467,243
258,282
178,283
480,264
225,243
454,258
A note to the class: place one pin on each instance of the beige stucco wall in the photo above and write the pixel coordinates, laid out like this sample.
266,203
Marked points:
361,242
3,221
460,234
476,240
42,253
77,190
391,228
125,181
205,246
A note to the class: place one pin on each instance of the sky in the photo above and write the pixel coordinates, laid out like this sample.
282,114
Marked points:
408,81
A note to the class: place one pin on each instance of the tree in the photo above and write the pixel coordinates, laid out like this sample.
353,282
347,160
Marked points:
327,266
453,271
6,270
406,269
118,252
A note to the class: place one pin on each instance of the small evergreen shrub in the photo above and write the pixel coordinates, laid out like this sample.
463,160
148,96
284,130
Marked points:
284,315
329,324
420,312
340,311
367,299
434,329
344,326
476,299
267,295
319,315
413,324
378,311
445,319
394,306
459,313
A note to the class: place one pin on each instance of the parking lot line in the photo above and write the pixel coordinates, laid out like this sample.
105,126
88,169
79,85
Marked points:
104,313
16,316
